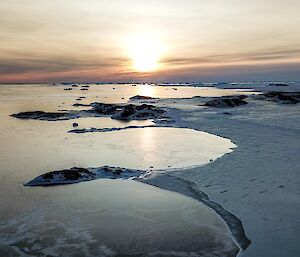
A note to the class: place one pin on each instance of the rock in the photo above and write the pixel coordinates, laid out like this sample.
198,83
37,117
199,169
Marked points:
105,109
141,97
74,85
73,175
68,89
40,115
77,175
281,97
115,111
81,105
138,112
85,86
83,89
227,101
278,85
75,125
103,130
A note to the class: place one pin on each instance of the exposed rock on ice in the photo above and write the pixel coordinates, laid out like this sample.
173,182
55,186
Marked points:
91,130
278,85
141,97
105,109
116,111
138,112
227,101
77,175
48,116
281,97
127,112
81,105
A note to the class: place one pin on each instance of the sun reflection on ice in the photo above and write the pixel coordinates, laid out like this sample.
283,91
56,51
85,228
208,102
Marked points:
148,139
146,90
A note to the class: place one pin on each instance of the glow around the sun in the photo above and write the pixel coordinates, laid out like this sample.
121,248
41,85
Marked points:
145,51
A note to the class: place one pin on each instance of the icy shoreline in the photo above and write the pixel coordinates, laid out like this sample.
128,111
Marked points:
258,182
159,179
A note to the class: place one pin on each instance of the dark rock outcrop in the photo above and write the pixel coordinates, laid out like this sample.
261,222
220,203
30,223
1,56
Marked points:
81,105
141,97
115,111
138,112
105,109
281,97
103,130
278,85
77,175
227,101
40,115
73,175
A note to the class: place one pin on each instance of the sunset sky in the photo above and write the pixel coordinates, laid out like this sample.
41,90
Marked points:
137,40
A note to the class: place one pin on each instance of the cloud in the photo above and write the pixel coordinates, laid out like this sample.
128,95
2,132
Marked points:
24,64
258,56
64,39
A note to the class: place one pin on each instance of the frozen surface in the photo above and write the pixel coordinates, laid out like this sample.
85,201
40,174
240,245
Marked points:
258,182
106,93
100,218
114,218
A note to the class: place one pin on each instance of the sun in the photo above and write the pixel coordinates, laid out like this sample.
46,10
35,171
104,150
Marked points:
145,51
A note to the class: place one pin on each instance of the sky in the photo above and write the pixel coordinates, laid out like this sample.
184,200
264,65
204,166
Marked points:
149,40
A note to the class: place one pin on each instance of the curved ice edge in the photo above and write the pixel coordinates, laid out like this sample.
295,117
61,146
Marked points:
158,124
189,188
158,179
